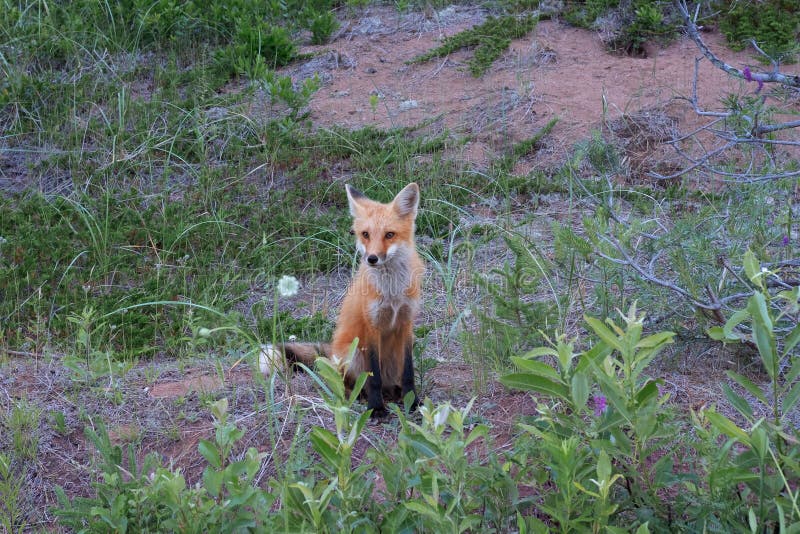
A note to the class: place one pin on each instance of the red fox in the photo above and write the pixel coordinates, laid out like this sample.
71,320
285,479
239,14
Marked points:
381,304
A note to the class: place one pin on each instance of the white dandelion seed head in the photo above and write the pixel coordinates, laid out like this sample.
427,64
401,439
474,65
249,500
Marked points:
288,286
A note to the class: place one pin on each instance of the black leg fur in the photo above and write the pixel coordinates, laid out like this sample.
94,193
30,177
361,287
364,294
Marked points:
408,376
375,386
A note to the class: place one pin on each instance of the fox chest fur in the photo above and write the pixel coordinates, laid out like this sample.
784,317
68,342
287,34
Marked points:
396,300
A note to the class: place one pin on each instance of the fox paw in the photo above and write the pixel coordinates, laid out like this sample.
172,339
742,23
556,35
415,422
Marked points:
379,412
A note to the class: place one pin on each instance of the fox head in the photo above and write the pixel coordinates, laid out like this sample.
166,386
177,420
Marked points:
384,231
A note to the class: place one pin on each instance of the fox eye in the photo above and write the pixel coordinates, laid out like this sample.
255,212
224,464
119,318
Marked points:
352,232
389,235
365,234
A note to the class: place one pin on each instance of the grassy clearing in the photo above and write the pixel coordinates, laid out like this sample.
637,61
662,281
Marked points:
172,177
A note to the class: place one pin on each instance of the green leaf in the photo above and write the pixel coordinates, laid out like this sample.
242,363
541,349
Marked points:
538,384
212,480
210,452
540,351
604,333
738,317
751,388
583,489
580,391
738,402
790,399
791,297
603,466
480,431
422,508
762,332
794,370
330,376
791,340
752,268
536,367
594,355
421,445
751,520
715,333
643,528
357,387
656,340
327,445
647,392
727,427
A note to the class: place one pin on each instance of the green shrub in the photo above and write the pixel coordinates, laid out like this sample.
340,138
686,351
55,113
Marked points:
322,25
773,24
634,21
489,40
583,13
619,457
505,325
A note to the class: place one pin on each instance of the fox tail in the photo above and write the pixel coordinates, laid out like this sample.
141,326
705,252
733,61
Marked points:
272,356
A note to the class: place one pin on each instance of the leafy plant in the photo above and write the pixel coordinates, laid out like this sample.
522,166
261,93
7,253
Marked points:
12,518
632,24
626,423
337,498
322,25
23,425
769,465
149,497
504,327
440,482
281,89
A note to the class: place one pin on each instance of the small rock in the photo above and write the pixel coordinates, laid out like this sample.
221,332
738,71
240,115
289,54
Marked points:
406,105
370,70
216,113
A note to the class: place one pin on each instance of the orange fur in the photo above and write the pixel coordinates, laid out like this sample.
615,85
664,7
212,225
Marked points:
382,301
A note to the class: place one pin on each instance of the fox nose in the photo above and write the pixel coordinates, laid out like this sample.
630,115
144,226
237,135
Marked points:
372,259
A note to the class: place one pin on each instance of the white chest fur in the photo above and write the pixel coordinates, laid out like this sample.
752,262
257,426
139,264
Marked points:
392,281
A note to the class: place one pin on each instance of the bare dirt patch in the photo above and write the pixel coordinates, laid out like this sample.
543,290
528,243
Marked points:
555,71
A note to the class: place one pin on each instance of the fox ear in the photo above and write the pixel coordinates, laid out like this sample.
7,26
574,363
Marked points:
353,198
407,200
